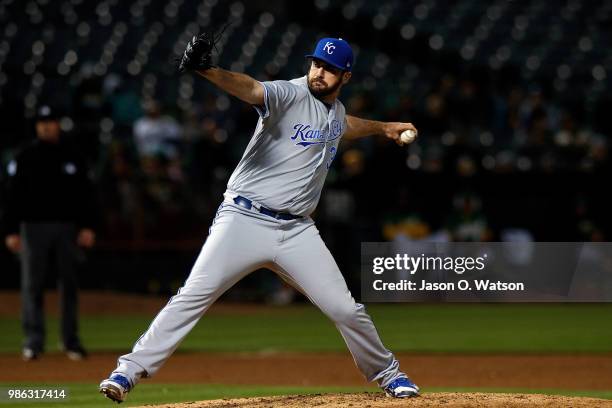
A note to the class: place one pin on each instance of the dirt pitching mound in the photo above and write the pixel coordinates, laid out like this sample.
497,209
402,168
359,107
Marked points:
379,400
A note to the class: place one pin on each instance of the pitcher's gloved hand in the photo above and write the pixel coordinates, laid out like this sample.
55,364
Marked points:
198,52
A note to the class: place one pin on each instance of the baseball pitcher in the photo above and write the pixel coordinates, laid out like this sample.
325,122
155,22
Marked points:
264,219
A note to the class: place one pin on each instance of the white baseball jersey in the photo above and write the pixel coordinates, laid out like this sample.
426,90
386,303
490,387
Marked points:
296,138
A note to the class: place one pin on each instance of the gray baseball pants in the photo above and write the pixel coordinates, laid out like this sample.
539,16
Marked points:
241,241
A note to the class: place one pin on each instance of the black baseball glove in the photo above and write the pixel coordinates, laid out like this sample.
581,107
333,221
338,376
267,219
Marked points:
198,53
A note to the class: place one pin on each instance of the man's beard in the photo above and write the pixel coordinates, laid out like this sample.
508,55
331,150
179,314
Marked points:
322,93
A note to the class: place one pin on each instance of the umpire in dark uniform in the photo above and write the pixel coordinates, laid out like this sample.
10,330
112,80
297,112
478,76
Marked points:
49,215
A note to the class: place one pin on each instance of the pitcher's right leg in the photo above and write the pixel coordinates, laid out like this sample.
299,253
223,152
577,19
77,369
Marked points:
236,245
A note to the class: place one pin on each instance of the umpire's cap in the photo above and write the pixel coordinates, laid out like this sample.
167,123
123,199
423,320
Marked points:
46,113
334,51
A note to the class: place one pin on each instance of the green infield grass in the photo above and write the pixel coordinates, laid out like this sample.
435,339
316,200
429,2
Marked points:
459,328
87,396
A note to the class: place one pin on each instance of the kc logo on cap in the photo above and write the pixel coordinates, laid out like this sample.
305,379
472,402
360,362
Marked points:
329,47
335,51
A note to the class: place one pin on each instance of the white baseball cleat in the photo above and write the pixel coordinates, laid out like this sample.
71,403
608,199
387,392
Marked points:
116,388
402,388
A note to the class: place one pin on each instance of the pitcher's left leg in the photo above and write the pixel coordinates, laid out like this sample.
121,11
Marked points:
304,260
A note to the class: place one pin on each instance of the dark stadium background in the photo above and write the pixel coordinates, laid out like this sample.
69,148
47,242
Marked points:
511,99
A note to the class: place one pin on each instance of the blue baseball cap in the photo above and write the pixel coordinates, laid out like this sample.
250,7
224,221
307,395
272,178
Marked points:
334,51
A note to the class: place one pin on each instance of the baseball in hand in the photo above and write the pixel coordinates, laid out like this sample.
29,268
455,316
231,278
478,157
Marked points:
407,136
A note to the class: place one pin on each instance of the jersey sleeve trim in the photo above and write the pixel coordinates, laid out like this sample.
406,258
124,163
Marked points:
263,111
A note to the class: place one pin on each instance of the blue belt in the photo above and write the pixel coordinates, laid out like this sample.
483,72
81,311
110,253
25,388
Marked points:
248,204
